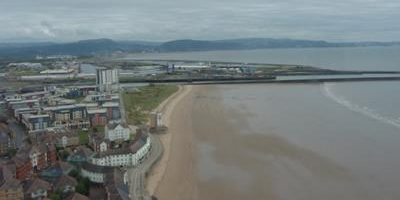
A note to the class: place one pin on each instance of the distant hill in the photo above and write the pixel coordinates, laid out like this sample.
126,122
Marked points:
258,43
80,48
236,44
106,46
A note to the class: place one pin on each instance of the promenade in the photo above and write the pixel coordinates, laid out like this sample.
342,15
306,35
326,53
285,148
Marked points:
137,175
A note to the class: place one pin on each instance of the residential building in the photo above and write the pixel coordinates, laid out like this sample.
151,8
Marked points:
35,95
114,180
34,157
52,173
5,142
155,120
42,156
129,155
107,80
66,113
19,112
63,137
80,155
67,140
36,189
86,89
117,132
97,117
117,185
113,111
69,116
65,183
10,188
76,196
32,103
23,166
65,167
95,173
36,122
99,143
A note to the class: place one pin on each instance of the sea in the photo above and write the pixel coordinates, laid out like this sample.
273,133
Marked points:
320,141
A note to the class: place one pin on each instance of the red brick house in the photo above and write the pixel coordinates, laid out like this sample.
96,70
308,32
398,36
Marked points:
99,144
42,156
36,189
98,117
32,159
23,166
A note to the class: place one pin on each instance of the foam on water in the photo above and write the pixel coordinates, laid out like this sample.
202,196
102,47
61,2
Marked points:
328,92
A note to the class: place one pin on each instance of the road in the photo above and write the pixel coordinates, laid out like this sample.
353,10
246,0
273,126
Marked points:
122,105
137,175
19,134
18,131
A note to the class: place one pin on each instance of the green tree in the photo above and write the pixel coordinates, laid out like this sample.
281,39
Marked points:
56,195
83,186
74,173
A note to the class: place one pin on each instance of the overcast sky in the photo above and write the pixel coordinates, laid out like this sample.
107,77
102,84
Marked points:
161,20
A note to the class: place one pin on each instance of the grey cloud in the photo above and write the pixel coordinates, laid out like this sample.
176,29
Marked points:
342,20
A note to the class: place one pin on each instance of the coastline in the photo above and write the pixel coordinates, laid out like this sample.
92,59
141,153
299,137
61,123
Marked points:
206,134
167,107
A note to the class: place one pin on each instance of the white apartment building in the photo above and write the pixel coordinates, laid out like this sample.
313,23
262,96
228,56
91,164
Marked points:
94,173
107,79
124,157
117,131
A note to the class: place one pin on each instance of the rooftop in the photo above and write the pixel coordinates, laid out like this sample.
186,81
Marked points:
30,116
110,104
57,71
65,180
76,196
34,93
35,184
112,126
96,111
23,101
97,168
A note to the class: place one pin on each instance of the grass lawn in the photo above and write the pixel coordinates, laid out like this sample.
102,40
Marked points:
138,104
83,137
98,129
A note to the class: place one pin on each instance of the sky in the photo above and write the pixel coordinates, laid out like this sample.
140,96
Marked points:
164,20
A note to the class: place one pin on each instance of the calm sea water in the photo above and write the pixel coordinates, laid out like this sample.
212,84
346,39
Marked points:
305,141
360,58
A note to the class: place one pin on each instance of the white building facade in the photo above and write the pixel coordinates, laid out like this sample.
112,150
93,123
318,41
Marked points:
117,132
107,80
96,177
124,159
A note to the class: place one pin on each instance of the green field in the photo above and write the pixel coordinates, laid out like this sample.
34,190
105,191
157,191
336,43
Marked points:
83,137
138,104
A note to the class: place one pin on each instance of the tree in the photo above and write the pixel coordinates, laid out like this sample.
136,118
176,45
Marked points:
83,186
80,188
74,173
56,195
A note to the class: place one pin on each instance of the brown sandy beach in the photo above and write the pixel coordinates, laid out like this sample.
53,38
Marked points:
212,152
173,166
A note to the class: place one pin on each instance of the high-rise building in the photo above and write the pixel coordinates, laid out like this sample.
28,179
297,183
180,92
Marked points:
107,79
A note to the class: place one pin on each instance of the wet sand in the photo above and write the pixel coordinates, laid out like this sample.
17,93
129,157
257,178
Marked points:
212,152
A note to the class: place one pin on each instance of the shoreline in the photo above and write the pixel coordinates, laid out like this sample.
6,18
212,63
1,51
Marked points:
167,107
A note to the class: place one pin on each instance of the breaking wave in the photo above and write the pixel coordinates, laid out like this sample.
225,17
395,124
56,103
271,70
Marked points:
328,92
